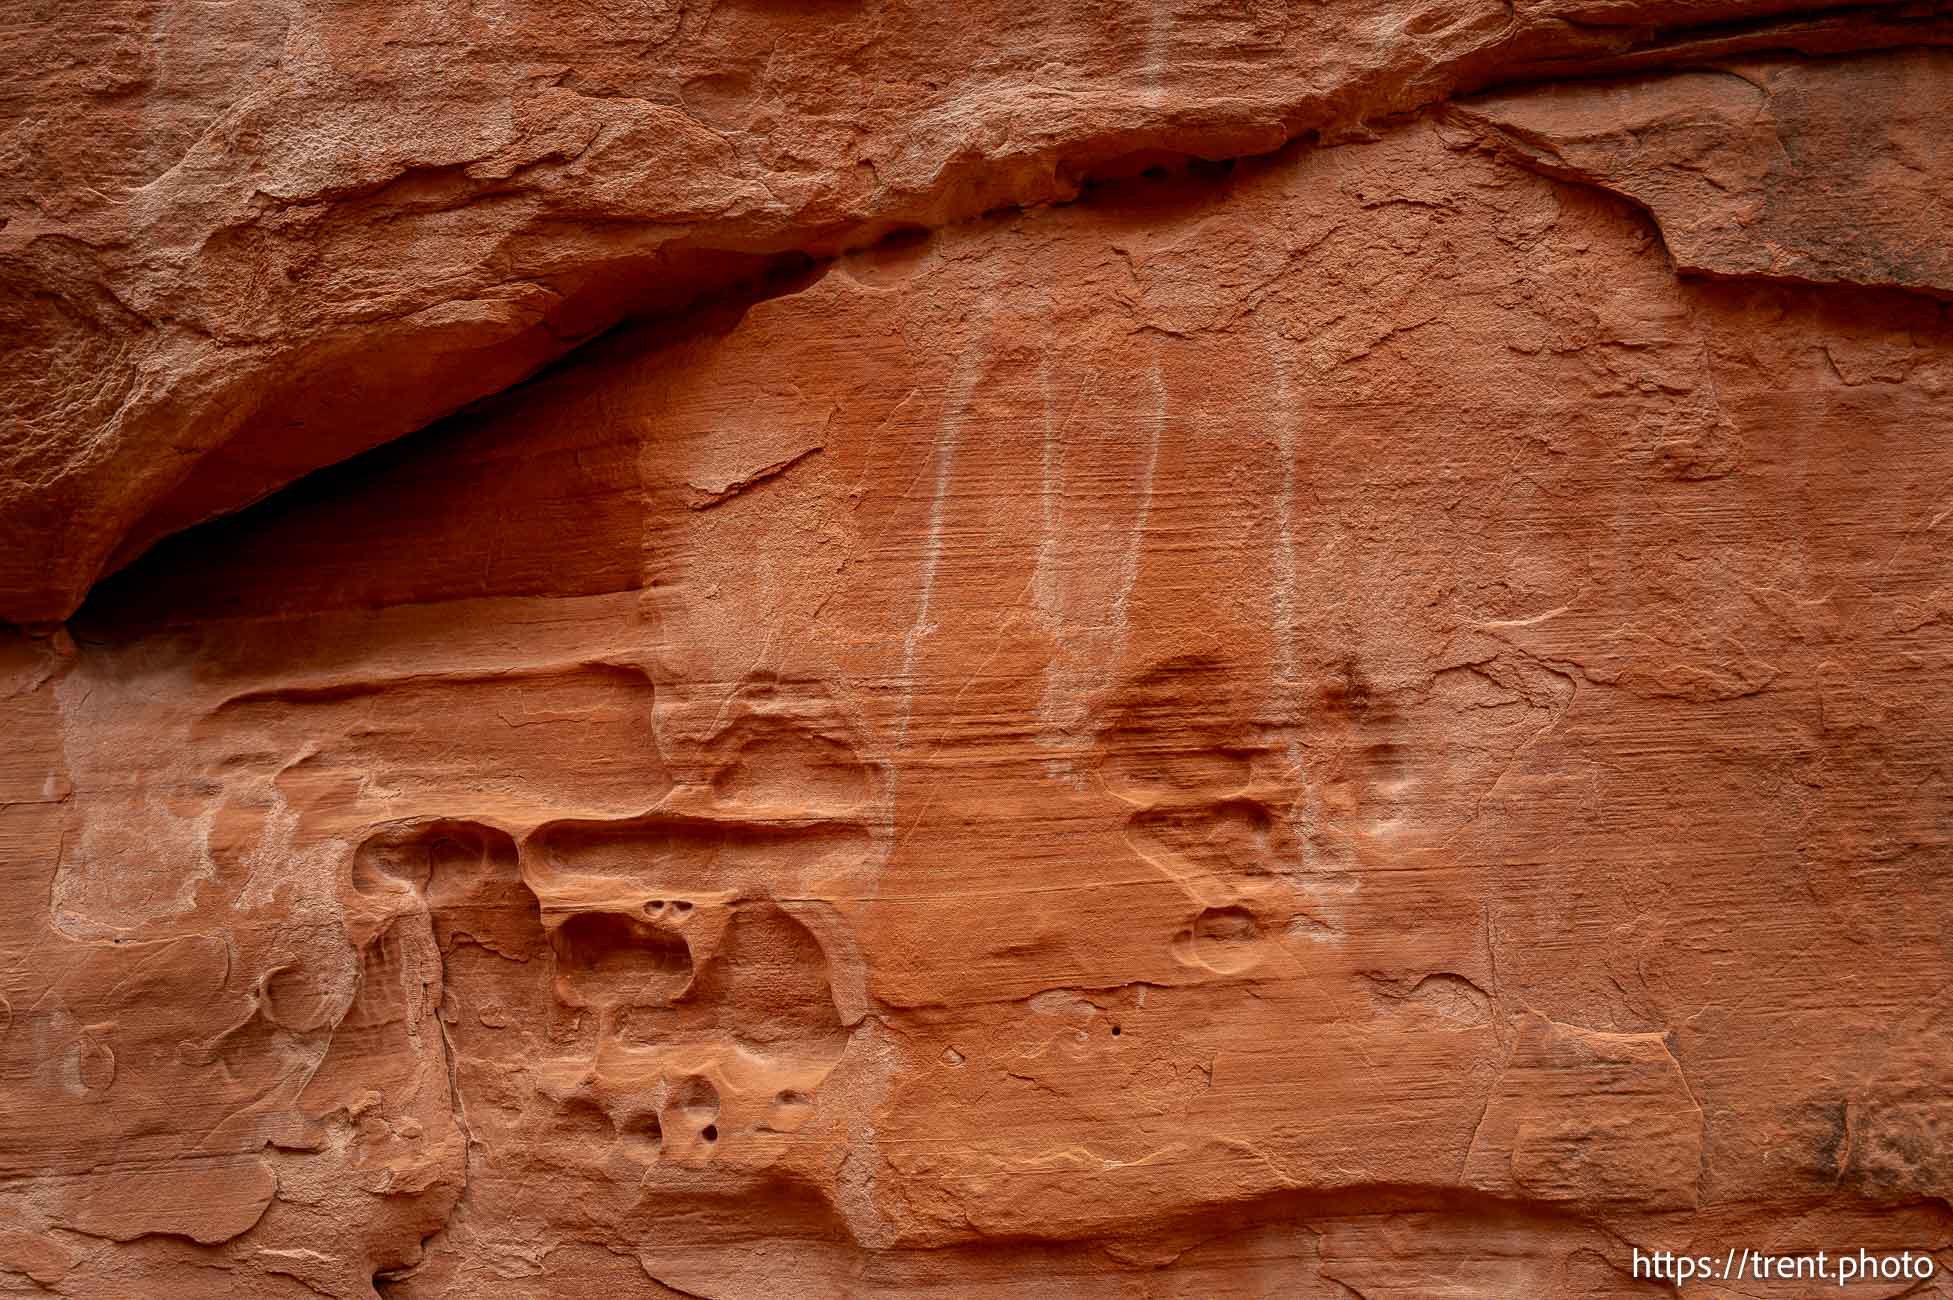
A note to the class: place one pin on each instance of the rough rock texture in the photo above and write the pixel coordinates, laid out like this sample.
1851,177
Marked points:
241,241
1366,721
1831,172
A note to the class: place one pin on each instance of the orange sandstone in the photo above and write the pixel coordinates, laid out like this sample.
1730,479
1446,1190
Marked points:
1367,719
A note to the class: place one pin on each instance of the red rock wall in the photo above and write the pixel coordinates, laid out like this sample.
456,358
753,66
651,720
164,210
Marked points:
1366,719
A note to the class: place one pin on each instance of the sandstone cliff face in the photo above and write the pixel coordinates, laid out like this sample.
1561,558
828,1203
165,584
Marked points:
1259,650
239,242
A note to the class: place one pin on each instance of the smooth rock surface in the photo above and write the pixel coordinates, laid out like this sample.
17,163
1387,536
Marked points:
1365,721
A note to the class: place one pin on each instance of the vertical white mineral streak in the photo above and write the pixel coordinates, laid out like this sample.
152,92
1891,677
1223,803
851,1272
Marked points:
949,436
1057,694
1281,586
1154,428
1044,575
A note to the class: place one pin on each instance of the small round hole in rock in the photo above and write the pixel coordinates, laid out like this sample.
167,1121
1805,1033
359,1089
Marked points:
1115,1031
710,1133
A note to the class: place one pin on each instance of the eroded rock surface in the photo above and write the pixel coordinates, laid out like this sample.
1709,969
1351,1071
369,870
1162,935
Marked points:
1364,721
1830,171
239,242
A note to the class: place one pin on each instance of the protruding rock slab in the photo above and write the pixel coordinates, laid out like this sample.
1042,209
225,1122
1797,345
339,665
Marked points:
1835,171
